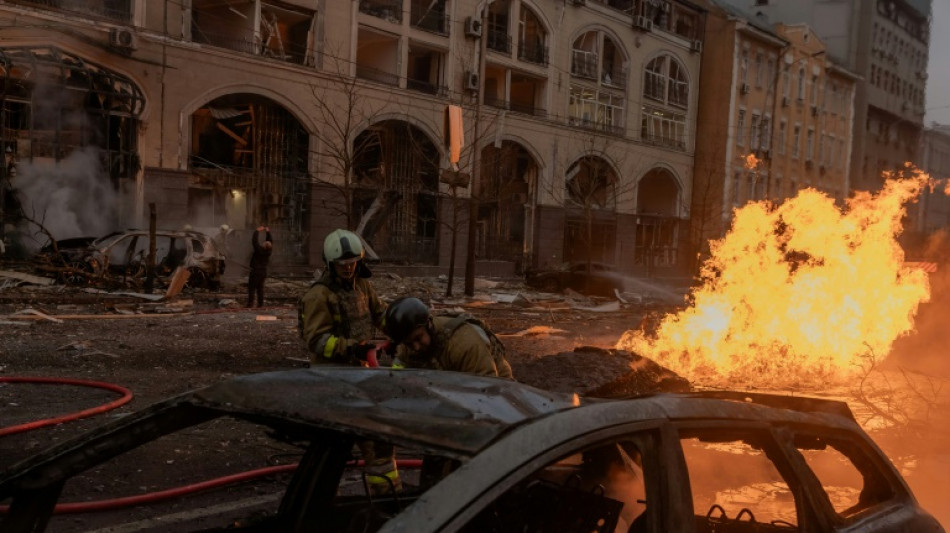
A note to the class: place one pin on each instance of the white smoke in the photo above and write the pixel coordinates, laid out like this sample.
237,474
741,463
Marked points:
70,198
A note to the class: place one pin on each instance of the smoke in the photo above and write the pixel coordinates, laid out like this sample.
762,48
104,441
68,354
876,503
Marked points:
70,198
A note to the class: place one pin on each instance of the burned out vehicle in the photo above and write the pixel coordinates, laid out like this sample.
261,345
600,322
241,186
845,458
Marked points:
123,255
599,279
497,455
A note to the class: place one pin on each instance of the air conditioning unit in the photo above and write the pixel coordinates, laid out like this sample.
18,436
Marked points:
785,101
744,88
471,81
643,23
123,38
696,46
473,27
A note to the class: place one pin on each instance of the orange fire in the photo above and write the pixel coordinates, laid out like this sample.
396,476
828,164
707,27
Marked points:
800,292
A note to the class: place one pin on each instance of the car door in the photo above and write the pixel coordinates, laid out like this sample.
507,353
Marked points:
855,485
605,481
740,480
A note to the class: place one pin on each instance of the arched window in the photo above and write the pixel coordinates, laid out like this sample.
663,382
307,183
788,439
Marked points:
666,99
598,80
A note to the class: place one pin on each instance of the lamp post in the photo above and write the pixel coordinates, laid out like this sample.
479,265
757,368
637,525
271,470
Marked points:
476,158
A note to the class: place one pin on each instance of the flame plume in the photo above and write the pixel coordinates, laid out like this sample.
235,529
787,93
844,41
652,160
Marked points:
802,291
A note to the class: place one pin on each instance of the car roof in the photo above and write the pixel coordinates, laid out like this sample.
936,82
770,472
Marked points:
449,413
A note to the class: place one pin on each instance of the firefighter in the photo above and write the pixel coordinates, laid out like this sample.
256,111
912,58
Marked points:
461,343
337,317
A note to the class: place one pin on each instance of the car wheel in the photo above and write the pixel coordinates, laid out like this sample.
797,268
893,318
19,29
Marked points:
78,274
197,278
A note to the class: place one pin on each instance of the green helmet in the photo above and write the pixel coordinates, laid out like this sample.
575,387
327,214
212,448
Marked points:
342,244
403,316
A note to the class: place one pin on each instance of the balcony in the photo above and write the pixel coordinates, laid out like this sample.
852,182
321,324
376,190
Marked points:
661,140
614,77
379,76
235,41
532,51
115,10
584,64
588,124
426,87
389,10
498,38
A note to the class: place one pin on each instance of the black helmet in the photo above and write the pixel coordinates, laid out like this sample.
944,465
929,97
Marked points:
403,316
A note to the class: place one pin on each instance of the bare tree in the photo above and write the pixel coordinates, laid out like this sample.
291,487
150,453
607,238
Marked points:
589,186
345,111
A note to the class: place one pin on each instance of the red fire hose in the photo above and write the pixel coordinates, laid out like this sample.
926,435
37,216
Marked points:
126,398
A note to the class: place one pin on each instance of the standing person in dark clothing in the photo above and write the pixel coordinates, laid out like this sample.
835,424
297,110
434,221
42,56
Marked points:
259,260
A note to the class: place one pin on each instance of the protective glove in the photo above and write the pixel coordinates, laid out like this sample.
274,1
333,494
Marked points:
360,351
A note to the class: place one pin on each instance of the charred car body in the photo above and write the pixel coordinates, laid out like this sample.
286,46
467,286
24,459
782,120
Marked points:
599,279
522,459
124,255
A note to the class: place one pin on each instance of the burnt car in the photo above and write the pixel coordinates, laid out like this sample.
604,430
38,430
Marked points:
123,255
598,279
496,455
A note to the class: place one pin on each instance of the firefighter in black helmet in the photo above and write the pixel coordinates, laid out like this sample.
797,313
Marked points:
337,318
459,342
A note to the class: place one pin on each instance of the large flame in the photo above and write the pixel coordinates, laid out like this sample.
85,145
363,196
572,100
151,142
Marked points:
802,291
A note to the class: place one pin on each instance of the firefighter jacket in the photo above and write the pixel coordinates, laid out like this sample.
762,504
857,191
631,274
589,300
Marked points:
460,344
334,315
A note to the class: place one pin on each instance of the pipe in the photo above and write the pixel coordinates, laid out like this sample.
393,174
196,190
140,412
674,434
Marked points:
126,398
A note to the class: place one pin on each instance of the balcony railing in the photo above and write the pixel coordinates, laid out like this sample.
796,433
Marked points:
498,39
532,51
247,43
379,76
615,77
118,10
426,87
499,103
527,109
611,129
661,140
390,10
584,64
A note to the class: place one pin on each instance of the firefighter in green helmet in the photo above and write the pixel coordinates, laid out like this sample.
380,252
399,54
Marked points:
458,342
337,318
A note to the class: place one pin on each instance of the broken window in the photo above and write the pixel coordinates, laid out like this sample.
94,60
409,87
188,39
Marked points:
590,183
603,488
389,10
849,475
249,160
736,480
505,183
532,38
277,30
377,57
426,66
395,196
56,105
430,15
499,37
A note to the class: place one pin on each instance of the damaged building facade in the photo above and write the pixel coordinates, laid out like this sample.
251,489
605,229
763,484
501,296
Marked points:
306,116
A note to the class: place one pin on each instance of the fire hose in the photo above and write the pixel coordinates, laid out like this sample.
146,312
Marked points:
126,398
152,497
